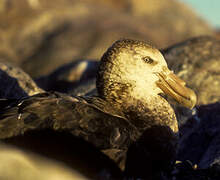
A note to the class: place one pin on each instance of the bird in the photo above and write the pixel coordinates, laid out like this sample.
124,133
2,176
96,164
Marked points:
130,107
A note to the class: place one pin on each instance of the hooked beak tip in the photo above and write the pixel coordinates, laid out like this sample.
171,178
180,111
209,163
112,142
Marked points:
172,85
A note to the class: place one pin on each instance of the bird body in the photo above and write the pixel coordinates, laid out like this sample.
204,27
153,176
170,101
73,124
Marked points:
131,78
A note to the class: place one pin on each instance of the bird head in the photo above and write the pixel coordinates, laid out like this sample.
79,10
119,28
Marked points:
133,69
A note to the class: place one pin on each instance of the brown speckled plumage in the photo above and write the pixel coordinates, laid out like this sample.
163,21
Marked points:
103,83
129,104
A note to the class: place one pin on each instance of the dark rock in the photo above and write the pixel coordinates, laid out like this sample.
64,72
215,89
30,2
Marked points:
77,78
15,83
185,172
196,61
200,141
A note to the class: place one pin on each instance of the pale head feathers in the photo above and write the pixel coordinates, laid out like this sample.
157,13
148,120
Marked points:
128,70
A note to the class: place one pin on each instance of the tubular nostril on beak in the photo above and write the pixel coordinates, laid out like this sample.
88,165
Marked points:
175,87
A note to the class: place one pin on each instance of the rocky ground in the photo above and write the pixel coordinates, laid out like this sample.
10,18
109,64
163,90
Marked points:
56,46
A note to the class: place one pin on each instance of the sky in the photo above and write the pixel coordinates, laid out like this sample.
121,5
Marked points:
208,9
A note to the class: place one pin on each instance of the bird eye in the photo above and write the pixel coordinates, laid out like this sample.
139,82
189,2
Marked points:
148,60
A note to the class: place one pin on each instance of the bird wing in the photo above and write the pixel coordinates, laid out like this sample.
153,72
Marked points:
82,117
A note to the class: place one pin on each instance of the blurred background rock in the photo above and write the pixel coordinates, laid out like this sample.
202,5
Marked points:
41,35
14,161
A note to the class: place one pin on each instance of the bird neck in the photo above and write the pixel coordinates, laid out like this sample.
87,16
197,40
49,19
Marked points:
145,113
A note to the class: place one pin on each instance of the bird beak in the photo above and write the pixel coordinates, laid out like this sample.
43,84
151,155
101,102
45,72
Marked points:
172,85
